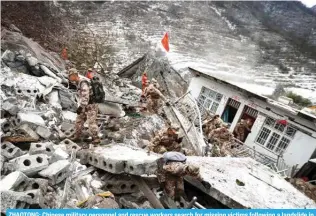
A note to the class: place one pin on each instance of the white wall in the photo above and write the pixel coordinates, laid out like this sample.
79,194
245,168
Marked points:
300,149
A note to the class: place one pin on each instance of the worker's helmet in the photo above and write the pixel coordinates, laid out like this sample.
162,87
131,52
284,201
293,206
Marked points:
194,170
175,127
90,69
153,80
73,71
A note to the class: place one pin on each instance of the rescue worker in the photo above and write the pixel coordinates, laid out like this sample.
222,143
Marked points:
241,130
144,81
64,54
213,123
153,96
171,170
86,111
166,140
89,73
221,140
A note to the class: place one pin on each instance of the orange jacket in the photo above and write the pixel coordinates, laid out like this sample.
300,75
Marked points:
64,54
144,81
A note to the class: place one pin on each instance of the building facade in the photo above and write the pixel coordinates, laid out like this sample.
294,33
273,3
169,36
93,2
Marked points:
277,129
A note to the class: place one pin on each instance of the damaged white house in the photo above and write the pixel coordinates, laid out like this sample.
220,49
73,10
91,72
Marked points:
278,130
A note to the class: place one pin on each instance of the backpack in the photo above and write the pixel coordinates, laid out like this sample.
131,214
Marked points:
97,94
174,157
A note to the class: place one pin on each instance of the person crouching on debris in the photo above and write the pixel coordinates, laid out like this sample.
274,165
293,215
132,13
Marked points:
87,111
153,97
214,123
166,140
172,168
89,73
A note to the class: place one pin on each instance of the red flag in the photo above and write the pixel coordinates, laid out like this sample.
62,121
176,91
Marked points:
282,122
165,42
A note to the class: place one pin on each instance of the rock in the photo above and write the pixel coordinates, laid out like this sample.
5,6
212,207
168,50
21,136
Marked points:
49,73
12,27
29,164
20,58
13,181
42,148
13,200
32,61
56,172
10,151
116,136
44,132
8,56
13,109
67,100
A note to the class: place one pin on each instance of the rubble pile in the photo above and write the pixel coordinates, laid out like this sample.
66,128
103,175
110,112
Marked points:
307,188
40,165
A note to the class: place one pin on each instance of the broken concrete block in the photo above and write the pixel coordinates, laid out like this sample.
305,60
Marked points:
70,145
29,118
69,133
37,198
42,148
5,125
141,166
120,186
118,137
56,172
36,183
29,164
13,200
25,130
59,154
10,151
69,116
44,132
2,160
13,109
111,165
65,126
13,181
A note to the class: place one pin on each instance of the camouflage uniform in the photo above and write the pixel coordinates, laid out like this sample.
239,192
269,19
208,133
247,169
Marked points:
89,112
173,173
213,123
153,96
164,142
221,140
240,130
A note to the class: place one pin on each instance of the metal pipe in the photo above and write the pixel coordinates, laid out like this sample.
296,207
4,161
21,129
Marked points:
199,205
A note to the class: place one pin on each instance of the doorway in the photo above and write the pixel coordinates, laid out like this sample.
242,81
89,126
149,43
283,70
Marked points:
249,115
230,110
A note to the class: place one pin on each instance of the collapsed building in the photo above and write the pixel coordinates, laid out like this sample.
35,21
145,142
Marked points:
42,168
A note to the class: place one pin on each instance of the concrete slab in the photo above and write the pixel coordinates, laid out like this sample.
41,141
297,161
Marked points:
29,118
223,172
44,132
13,200
118,158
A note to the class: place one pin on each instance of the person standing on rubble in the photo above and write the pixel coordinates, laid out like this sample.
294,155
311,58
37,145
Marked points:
240,130
172,168
153,96
220,139
213,123
166,140
87,111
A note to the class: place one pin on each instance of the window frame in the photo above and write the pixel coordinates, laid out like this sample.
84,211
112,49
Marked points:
284,138
211,97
